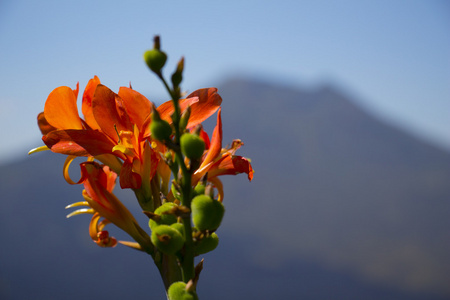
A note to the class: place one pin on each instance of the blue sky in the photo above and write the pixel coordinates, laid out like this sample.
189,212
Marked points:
392,55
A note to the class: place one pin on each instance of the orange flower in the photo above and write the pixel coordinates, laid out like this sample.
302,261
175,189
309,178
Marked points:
222,161
114,125
99,181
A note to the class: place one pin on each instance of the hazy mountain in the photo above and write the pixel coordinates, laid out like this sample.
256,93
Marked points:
342,206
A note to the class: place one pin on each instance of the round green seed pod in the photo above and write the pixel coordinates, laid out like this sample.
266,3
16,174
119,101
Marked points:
177,291
155,59
200,189
206,212
167,239
166,219
161,130
192,146
179,227
207,244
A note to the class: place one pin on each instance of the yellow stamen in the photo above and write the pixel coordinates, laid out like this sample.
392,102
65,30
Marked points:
38,149
81,203
125,143
131,245
81,211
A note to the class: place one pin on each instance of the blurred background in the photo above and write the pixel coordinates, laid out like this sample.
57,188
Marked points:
343,107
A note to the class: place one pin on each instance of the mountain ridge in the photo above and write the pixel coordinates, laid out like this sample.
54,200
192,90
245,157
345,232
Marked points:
335,191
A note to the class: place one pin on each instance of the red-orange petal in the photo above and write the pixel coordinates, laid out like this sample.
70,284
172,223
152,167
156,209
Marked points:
205,138
61,109
128,178
44,126
208,103
216,142
109,112
231,165
203,102
78,142
137,106
86,106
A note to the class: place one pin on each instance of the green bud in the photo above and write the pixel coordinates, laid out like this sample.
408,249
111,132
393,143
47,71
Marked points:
178,291
167,239
160,129
207,213
164,217
175,192
200,189
192,146
207,244
179,227
185,119
177,76
155,58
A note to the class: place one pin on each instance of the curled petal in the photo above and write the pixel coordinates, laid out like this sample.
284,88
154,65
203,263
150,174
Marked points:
231,165
61,109
67,163
219,186
98,235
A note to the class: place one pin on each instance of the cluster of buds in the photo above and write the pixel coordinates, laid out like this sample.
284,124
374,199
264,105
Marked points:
161,153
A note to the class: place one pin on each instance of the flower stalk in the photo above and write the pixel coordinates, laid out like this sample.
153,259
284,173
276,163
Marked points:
124,136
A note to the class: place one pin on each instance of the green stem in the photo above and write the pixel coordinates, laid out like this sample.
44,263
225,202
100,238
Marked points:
187,262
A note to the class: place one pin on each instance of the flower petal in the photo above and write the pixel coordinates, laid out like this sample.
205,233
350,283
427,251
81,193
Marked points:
208,103
109,112
86,106
203,102
61,109
137,106
231,165
43,124
78,142
128,178
216,142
